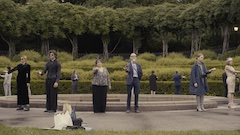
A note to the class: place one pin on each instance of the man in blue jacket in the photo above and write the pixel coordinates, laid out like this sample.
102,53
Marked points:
134,76
177,82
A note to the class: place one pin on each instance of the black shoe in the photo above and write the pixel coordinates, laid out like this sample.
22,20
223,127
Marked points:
128,111
27,109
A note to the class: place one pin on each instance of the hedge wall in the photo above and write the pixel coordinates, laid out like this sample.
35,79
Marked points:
119,87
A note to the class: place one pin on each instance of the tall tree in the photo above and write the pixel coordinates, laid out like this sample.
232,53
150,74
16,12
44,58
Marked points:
44,21
72,23
11,23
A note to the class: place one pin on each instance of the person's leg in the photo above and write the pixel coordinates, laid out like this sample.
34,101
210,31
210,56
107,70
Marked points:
54,97
136,92
48,98
5,87
9,90
198,103
129,94
202,102
103,99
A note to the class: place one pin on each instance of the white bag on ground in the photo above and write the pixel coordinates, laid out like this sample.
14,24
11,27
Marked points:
67,107
62,120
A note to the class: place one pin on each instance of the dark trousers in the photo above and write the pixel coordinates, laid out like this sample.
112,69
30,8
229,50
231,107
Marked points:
226,90
51,95
136,85
99,98
22,93
177,89
75,89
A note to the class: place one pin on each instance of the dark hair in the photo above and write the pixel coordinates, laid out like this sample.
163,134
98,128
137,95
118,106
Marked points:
54,52
9,68
176,71
98,59
153,72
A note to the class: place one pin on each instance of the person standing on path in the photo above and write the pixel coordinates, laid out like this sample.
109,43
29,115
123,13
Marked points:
7,82
134,75
74,78
153,83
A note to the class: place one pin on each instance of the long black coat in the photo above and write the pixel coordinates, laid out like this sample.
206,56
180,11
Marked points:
200,77
153,82
23,78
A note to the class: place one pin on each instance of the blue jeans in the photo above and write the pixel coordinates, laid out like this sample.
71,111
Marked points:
177,89
135,84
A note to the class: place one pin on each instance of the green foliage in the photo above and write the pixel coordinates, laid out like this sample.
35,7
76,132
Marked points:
216,88
174,55
5,61
208,54
64,57
227,54
31,55
147,56
115,59
90,56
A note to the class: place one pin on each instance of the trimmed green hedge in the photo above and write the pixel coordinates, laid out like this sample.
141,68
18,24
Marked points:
119,87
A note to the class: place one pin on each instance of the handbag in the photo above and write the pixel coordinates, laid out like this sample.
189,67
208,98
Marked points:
62,120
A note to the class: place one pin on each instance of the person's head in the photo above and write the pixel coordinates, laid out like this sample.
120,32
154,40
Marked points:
153,72
176,71
98,63
200,57
53,54
8,68
133,57
229,61
24,59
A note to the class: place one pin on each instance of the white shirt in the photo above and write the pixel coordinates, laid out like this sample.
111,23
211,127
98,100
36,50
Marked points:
134,65
7,78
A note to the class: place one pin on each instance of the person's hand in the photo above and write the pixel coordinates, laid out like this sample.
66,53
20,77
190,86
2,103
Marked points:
55,85
213,69
195,85
183,77
109,87
39,72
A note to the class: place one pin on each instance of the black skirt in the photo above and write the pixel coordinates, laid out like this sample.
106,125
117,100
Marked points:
99,98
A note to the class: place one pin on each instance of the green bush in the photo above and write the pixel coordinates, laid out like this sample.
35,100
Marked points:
31,55
216,88
90,56
176,55
208,54
5,62
115,59
227,54
147,56
63,57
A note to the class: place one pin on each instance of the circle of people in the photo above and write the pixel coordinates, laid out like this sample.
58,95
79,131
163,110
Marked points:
101,82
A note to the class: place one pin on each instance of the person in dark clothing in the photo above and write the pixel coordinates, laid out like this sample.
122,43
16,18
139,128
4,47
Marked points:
177,82
23,82
53,69
224,78
74,78
153,83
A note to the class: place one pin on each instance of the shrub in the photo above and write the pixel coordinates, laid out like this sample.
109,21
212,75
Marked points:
90,56
115,59
147,56
208,54
227,54
176,55
63,57
216,88
5,62
31,55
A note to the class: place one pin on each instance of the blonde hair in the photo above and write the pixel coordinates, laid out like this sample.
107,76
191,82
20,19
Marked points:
229,59
24,56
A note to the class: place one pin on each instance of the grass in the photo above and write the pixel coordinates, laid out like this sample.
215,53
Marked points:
6,130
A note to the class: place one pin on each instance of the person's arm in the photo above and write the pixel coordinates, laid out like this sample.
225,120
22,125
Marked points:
72,77
232,70
127,69
12,70
140,72
3,76
44,70
28,74
193,75
95,70
108,79
58,72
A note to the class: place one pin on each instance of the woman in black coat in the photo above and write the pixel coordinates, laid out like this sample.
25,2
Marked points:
153,83
23,82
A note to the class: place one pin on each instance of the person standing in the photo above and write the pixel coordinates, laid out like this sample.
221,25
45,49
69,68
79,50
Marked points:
231,77
74,78
7,82
134,75
177,82
100,84
153,83
23,82
198,81
53,70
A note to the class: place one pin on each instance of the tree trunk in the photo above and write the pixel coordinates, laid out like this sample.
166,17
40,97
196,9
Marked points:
45,47
136,44
226,37
196,41
105,41
74,42
165,44
11,46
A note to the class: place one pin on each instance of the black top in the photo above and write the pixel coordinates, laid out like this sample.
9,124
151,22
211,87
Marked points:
54,70
153,82
23,72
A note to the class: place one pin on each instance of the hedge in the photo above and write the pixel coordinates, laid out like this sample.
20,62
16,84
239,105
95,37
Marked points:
216,88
